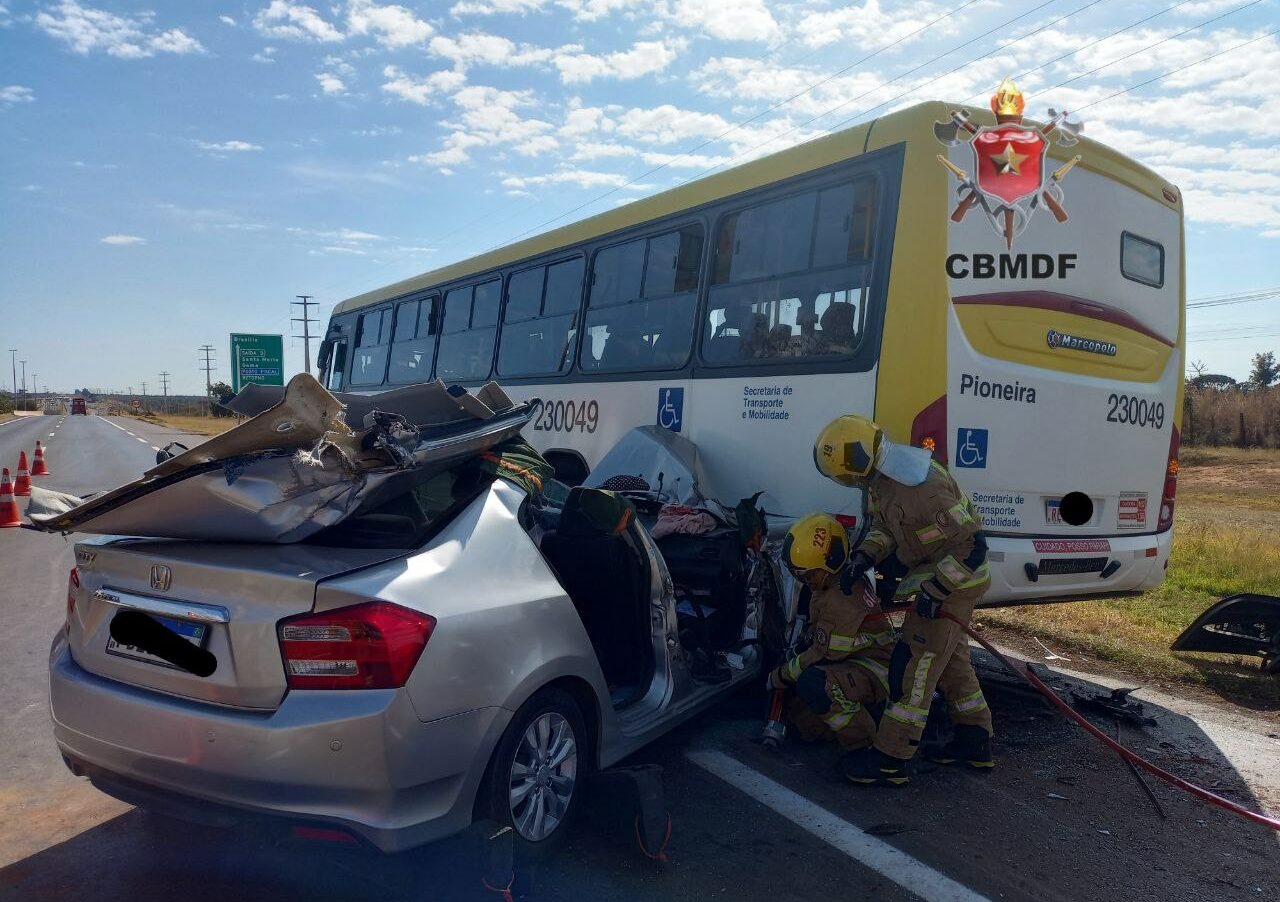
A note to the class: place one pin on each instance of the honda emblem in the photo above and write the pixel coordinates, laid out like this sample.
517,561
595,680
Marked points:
161,576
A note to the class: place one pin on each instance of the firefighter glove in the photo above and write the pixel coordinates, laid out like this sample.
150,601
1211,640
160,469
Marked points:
779,679
929,601
859,564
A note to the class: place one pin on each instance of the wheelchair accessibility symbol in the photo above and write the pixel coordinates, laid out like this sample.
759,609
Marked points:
971,448
671,408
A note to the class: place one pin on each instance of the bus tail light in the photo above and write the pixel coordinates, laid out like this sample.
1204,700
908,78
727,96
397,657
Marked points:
929,429
1170,484
367,646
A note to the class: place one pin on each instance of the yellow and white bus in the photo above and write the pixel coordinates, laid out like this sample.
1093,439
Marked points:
1035,344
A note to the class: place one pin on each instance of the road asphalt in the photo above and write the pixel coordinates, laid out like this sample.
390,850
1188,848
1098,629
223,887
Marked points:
1059,819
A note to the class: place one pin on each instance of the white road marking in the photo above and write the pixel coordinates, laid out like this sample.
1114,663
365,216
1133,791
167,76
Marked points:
913,875
154,448
50,435
143,440
117,425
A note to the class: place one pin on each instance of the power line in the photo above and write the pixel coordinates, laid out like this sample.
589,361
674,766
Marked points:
306,303
1227,300
164,386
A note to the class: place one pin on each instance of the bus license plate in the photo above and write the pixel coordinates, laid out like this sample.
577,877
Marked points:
1053,510
195,633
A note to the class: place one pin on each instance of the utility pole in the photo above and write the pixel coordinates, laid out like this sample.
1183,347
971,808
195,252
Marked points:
24,376
164,386
207,351
144,396
304,301
13,360
35,390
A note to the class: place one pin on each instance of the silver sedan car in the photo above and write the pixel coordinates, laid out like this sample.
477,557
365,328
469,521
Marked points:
460,647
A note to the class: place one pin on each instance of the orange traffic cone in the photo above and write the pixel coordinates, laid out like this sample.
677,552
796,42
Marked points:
38,466
9,513
22,485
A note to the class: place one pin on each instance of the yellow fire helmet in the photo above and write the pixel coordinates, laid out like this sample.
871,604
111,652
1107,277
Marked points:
817,544
851,449
847,448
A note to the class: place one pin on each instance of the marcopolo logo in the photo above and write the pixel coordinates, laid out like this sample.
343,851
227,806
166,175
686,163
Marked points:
1058,339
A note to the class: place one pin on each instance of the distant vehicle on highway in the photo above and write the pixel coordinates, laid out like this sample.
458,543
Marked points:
1024,323
79,407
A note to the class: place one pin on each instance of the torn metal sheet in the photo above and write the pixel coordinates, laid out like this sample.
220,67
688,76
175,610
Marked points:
665,460
1246,624
259,483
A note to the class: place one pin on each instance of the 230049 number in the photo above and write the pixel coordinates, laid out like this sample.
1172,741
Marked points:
1135,411
567,416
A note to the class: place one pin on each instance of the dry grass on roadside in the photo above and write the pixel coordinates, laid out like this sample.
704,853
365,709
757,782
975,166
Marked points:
187,424
1224,543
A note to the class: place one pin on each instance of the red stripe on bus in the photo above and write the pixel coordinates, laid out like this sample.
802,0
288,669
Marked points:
1062,303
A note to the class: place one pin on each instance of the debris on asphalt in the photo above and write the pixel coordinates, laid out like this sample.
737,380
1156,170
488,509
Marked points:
1114,704
886,829
1054,795
1049,655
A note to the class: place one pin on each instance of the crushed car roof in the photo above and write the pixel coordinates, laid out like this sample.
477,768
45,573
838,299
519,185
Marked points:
304,460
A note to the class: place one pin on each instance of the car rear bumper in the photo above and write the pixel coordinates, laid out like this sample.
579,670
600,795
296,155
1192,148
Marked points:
1137,562
358,760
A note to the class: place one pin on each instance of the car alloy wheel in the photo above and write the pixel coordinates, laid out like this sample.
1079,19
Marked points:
543,775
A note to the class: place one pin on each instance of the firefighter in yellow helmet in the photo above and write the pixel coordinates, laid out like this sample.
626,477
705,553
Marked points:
918,513
845,667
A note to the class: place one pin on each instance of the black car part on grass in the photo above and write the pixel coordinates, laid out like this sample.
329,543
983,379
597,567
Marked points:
1245,624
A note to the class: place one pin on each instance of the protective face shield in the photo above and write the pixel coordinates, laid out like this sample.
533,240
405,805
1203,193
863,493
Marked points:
815,549
851,449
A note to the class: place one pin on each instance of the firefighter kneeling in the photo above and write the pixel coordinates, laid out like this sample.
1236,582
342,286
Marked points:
845,667
918,513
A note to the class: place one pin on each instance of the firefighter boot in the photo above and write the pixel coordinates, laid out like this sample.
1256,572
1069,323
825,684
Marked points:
970,744
872,767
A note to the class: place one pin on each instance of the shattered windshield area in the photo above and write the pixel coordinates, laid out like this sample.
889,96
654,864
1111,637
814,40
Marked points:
408,519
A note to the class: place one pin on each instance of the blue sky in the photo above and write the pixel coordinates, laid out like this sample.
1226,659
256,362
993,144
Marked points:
175,172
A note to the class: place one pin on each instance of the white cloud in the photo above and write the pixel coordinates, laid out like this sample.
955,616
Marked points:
227,146
335,249
666,124
391,26
293,21
378,131
331,84
867,25
494,7
350,235
489,49
590,10
16,94
421,90
85,30
265,55
489,117
583,178
749,20
122,240
30,188
644,58
227,20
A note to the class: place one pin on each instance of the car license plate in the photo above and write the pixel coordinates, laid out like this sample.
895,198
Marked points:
195,633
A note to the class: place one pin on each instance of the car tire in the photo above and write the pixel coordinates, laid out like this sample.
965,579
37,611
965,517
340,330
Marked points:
526,787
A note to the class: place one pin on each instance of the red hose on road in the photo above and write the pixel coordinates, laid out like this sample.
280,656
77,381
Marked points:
1172,779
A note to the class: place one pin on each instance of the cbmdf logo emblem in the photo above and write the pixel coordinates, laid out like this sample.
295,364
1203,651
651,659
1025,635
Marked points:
1009,179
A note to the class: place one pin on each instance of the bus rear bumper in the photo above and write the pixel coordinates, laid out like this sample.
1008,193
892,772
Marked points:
1031,569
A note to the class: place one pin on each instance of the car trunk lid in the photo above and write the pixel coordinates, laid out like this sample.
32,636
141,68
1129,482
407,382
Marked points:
227,597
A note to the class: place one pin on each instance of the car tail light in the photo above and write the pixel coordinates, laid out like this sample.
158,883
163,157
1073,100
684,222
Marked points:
366,646
1170,484
929,429
73,588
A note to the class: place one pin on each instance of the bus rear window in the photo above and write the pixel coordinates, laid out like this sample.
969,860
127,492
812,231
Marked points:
1142,260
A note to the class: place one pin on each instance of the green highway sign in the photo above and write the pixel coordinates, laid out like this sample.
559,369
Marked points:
256,360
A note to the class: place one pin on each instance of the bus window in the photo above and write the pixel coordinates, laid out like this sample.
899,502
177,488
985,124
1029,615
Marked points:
369,362
413,341
1142,260
470,326
540,323
640,314
761,312
336,366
